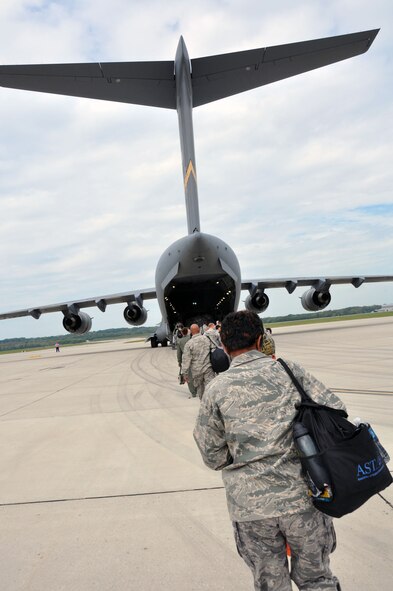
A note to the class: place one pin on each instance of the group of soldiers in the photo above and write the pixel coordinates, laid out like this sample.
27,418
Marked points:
194,346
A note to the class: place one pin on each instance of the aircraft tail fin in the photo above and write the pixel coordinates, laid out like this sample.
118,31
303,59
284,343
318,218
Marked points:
220,76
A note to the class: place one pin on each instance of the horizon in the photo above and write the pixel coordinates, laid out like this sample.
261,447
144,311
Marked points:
265,319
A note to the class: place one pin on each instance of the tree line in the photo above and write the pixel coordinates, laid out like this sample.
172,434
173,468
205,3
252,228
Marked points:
145,331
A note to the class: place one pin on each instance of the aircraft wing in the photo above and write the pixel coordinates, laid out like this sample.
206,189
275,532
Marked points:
319,283
74,306
213,77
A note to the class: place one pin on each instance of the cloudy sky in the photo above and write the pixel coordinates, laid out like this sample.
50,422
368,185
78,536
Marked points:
297,176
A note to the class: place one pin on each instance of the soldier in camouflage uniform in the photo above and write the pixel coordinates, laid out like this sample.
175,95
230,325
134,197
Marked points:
196,360
268,344
244,428
180,344
213,335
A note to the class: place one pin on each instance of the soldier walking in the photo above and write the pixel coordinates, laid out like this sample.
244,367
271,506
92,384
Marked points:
244,428
196,361
180,344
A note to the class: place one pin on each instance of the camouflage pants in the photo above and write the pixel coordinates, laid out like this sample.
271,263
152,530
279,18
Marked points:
191,386
202,380
311,537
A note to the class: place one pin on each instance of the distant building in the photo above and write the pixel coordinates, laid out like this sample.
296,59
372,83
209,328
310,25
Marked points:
386,308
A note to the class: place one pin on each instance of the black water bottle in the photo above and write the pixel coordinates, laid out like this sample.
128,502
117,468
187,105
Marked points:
316,474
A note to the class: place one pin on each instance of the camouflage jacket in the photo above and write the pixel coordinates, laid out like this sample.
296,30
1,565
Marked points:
268,344
244,428
180,344
214,337
196,356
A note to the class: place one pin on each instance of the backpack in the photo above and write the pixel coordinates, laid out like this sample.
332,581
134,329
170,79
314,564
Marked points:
218,358
348,454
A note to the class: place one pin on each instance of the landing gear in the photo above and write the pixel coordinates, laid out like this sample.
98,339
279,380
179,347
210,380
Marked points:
154,342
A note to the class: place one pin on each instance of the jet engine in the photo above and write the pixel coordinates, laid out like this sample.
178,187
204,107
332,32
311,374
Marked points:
77,323
135,314
313,300
258,302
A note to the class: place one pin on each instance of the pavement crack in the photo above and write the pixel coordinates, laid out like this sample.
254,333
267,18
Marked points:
386,501
101,497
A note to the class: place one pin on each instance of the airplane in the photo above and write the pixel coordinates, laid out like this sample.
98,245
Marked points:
198,277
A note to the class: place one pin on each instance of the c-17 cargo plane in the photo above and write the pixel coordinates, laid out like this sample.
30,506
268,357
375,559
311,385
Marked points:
197,277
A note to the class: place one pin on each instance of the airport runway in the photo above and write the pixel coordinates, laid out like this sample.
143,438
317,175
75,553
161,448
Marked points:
102,487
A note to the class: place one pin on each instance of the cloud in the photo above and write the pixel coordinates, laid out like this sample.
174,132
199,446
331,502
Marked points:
295,176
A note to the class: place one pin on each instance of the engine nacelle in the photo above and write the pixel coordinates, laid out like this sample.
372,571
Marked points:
257,302
135,314
313,300
77,323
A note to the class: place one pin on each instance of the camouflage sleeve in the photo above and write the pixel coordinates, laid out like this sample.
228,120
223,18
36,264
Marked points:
209,435
315,389
186,359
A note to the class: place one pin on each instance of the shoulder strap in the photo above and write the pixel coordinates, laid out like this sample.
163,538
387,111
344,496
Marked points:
211,342
307,401
304,396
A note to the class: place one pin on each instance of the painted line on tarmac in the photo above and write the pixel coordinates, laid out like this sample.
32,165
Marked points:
123,496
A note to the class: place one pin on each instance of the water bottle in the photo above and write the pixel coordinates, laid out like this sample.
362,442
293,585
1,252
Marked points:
316,474
382,451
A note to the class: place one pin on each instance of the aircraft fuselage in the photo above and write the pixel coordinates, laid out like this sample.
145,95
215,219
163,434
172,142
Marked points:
197,280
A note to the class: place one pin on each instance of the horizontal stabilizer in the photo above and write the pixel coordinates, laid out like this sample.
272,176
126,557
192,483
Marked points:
140,83
224,75
215,77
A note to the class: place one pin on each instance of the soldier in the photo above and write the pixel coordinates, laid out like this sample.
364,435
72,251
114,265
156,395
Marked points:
196,360
244,428
213,334
180,344
268,344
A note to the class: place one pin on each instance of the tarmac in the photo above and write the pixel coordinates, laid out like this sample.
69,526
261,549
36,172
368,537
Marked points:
102,486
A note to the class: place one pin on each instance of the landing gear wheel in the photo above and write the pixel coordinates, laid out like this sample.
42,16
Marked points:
154,342
164,343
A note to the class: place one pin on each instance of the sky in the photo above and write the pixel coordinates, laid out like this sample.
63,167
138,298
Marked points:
295,176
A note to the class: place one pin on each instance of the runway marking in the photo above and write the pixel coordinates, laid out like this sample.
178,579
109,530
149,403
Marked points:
123,496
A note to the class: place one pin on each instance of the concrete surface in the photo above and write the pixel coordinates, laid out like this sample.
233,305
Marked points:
102,487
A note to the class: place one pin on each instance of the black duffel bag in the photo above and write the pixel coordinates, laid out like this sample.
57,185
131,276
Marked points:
218,358
353,462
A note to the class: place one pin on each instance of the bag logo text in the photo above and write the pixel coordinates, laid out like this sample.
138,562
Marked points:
370,468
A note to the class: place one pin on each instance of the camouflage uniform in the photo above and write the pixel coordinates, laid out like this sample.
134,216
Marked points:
268,344
244,427
180,344
196,360
311,537
214,336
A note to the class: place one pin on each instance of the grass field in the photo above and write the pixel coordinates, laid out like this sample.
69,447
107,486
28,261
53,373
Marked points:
332,319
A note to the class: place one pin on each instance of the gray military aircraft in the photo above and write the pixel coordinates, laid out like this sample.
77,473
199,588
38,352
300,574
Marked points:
197,277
